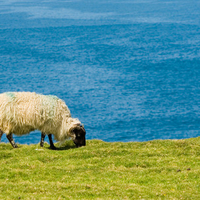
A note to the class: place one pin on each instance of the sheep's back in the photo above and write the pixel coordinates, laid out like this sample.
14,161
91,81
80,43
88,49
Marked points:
22,112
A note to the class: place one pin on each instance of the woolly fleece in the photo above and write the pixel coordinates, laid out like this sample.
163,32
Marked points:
23,112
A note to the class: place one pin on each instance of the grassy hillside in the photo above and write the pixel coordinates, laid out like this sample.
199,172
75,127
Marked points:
160,169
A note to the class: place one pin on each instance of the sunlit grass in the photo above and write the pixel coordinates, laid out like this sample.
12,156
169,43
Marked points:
160,169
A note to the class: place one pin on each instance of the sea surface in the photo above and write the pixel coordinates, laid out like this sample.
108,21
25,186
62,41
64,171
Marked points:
128,69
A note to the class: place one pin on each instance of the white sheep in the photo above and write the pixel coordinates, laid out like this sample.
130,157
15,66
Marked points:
23,112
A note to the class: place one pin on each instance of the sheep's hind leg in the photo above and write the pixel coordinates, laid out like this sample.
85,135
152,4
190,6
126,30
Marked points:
51,142
1,133
10,138
42,139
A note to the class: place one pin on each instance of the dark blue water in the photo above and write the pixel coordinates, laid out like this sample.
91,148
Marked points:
129,70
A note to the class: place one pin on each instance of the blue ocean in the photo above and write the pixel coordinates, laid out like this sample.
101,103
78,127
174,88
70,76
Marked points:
128,69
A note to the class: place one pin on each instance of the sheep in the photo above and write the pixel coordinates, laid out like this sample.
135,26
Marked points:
23,112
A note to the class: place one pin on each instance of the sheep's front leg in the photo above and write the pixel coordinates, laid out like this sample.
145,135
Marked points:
42,139
51,142
1,133
10,138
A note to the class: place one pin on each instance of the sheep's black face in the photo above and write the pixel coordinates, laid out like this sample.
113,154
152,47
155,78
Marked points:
79,139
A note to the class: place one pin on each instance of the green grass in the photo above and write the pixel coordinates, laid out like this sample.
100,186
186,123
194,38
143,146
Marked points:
160,169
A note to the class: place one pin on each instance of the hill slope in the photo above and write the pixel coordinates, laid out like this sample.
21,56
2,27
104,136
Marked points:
160,169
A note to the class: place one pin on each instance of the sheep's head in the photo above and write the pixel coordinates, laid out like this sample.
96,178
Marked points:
78,133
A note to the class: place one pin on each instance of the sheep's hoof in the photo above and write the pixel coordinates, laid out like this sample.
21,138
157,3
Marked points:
53,147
